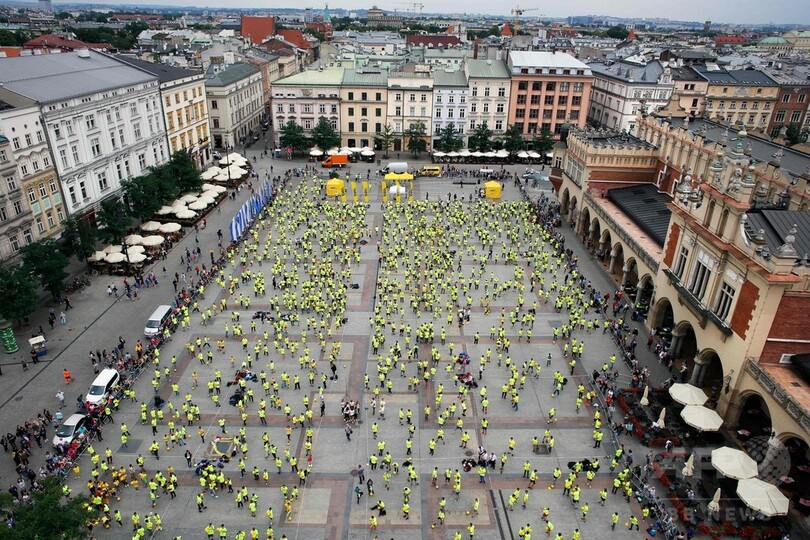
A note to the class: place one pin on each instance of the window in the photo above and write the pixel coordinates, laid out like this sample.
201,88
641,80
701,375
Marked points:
473,107
451,99
680,264
423,97
35,165
363,111
279,107
32,196
412,97
724,301
701,274
520,113
438,113
40,226
63,157
521,99
46,161
24,170
795,116
486,108
141,161
351,96
412,111
291,108
576,101
18,208
16,143
136,128
450,113
83,189
101,177
14,242
3,215
51,222
57,132
548,100
42,191
351,111
561,114
438,99
69,127
90,120
378,96
498,125
364,127
307,108
472,125
215,122
780,116
501,92
364,96
474,91
27,139
551,86
578,87
486,91
29,238
52,186
378,112
322,109
563,87
398,111
537,86
398,97
11,183
499,108
351,126
786,98
74,150
562,100
72,194
95,146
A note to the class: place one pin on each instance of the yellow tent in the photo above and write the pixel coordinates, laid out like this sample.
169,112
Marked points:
399,176
334,187
493,189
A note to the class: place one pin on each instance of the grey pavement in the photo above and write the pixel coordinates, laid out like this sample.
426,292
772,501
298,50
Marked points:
327,508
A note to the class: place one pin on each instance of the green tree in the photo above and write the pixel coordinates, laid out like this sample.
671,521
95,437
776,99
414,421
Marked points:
46,263
324,135
617,32
50,516
415,135
513,141
480,140
18,292
78,238
795,135
314,33
140,197
7,39
543,143
113,220
450,140
292,135
184,172
384,139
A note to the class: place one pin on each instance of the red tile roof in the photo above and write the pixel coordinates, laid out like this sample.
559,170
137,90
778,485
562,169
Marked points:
258,29
730,39
296,37
431,41
10,52
506,30
50,41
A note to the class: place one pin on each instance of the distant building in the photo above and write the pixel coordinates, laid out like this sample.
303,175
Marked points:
306,97
450,103
363,106
547,90
726,40
234,93
746,96
410,100
258,29
45,5
432,41
377,17
488,95
52,42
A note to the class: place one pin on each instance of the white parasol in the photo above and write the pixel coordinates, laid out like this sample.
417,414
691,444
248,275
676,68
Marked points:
523,154
763,497
221,177
132,250
534,155
185,213
168,228
113,248
734,463
150,226
115,258
332,152
714,504
153,240
687,394
217,189
367,153
502,154
96,256
661,418
187,198
209,197
134,239
316,152
210,173
701,418
689,466
490,154
465,153
236,171
477,154
198,205
645,398
164,210
452,154
438,154
137,258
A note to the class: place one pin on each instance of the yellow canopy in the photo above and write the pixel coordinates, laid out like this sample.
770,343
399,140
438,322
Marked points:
493,189
334,187
399,176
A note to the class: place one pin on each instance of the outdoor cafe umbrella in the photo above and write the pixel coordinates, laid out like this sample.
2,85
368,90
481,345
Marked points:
661,417
151,226
153,240
132,250
714,504
221,177
465,153
701,418
198,205
367,152
115,258
733,463
134,239
316,152
164,210
137,257
185,213
645,398
502,154
689,466
187,198
522,154
113,248
534,155
332,152
96,256
438,154
763,497
687,394
171,227
210,173
453,154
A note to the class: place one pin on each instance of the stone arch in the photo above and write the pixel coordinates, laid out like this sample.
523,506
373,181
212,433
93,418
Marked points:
630,277
573,209
754,414
707,372
684,347
798,449
583,224
616,264
644,296
565,199
595,233
662,318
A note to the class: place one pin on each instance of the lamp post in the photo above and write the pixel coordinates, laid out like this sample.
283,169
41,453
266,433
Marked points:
124,248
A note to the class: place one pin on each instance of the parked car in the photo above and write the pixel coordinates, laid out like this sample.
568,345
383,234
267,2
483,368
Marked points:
72,427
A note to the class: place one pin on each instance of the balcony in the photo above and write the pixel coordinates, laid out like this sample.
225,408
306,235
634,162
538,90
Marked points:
703,313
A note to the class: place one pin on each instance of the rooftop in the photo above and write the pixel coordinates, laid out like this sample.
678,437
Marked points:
223,76
449,78
487,69
776,224
629,72
54,77
327,77
163,72
365,77
734,76
545,59
646,207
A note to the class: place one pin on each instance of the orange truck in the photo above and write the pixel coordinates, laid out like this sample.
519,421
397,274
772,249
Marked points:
338,160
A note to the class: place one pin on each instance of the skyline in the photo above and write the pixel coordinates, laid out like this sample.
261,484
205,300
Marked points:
720,11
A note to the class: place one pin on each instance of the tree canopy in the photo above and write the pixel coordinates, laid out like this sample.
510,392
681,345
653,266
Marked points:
18,292
415,135
384,139
449,140
44,261
480,140
324,136
513,141
49,516
113,220
292,135
78,238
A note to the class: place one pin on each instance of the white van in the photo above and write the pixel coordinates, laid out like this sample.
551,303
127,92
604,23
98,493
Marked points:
102,387
398,167
156,321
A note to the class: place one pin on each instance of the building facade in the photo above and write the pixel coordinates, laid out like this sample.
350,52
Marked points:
410,101
488,95
747,96
691,89
234,95
305,97
363,106
36,175
102,129
450,106
621,89
547,89
15,215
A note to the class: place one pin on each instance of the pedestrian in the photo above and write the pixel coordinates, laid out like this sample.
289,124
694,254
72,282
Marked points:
62,318
60,395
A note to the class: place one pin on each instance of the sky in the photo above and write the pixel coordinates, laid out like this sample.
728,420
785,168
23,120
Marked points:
729,11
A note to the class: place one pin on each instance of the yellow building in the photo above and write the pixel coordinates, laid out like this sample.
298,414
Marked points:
363,106
745,96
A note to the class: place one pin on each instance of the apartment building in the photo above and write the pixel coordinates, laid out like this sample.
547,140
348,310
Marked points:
410,100
307,96
102,120
450,92
363,106
234,95
747,96
547,89
488,96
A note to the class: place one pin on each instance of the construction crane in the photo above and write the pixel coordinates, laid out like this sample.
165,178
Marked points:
517,12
